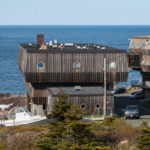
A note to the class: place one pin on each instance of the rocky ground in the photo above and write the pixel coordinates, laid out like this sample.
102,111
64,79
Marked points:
8,101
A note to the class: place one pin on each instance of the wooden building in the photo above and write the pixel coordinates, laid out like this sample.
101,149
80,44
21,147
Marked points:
139,59
67,65
89,99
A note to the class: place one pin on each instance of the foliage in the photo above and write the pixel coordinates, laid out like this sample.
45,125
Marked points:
68,132
144,124
144,139
112,131
19,137
109,122
64,110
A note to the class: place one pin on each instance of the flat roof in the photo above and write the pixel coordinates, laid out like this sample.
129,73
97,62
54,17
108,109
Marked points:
141,37
82,91
71,47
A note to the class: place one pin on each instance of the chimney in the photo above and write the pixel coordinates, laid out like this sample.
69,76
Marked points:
40,39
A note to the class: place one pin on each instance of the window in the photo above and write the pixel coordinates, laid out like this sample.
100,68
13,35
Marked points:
76,65
19,110
82,106
44,106
143,44
143,60
40,65
132,45
137,45
97,106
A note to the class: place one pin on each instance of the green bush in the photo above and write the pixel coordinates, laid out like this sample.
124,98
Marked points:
144,139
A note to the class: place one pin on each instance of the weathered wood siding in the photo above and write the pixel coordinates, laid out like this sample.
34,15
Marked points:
58,67
35,91
22,60
89,101
139,45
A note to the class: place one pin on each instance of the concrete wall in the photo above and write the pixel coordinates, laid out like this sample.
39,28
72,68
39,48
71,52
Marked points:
36,109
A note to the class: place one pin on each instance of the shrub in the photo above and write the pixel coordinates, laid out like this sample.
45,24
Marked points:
144,139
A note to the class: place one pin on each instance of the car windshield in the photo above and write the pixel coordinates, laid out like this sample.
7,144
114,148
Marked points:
132,108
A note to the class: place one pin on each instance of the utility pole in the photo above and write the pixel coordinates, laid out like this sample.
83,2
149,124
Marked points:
105,89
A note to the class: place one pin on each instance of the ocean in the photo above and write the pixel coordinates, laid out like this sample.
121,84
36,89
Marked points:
11,80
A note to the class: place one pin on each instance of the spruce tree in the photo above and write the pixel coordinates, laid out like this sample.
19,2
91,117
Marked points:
68,131
144,139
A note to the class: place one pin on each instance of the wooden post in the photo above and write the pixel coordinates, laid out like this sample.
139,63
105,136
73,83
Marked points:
28,102
105,90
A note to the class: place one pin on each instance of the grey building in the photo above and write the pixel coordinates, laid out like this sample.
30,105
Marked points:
90,99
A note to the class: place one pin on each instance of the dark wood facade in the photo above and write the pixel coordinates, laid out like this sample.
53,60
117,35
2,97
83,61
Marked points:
67,65
58,66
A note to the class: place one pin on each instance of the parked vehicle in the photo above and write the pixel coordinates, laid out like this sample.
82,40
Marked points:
136,95
119,90
131,111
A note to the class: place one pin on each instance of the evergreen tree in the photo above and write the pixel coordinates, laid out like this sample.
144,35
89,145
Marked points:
67,132
144,139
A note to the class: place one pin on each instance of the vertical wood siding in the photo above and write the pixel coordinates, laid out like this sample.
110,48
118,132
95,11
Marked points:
58,67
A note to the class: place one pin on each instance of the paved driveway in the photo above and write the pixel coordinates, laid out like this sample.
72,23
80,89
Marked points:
122,100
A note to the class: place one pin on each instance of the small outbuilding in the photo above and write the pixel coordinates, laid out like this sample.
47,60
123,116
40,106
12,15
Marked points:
90,99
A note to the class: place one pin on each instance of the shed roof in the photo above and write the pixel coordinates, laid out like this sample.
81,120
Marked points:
72,91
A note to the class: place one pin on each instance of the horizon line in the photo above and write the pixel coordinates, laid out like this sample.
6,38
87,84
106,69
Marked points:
72,25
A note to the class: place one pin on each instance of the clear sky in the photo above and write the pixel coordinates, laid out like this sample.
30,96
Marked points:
74,12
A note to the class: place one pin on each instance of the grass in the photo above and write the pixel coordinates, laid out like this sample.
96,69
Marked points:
94,116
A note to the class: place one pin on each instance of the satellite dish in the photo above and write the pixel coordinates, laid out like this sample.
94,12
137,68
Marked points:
112,65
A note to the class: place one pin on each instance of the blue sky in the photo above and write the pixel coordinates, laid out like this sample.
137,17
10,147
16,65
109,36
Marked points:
74,12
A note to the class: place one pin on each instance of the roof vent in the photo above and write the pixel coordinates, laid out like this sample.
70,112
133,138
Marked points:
55,42
54,46
30,44
77,88
84,47
78,47
50,43
43,47
103,48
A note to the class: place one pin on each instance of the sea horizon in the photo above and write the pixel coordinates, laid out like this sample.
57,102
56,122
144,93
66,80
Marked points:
12,35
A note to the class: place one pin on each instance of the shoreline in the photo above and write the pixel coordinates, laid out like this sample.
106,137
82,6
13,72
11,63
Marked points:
9,101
